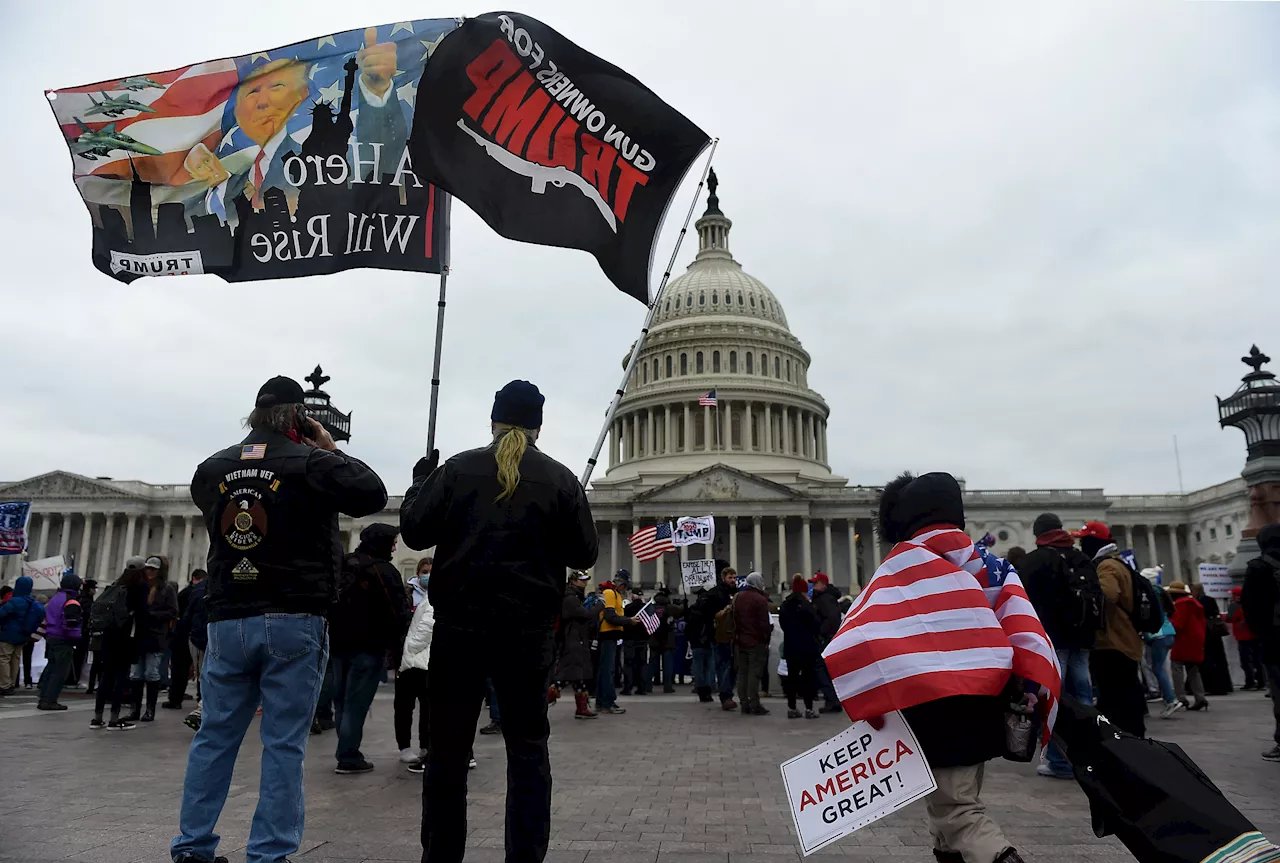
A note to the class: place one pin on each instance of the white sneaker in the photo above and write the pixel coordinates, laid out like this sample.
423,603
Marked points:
408,756
1171,708
472,765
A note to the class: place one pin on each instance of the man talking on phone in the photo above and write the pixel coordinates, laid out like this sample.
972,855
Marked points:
271,506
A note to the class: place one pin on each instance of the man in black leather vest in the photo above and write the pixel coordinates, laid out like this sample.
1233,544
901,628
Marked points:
271,506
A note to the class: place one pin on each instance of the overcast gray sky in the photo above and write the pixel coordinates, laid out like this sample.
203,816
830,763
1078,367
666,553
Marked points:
1024,243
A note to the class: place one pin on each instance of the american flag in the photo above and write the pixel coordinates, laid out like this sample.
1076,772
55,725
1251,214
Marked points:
649,543
708,400
649,617
14,516
253,450
931,624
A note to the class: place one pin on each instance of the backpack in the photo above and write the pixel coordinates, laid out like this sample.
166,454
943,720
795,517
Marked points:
72,613
1082,605
726,625
1146,615
110,611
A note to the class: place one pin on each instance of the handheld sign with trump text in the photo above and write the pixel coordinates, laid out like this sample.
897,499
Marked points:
854,779
290,161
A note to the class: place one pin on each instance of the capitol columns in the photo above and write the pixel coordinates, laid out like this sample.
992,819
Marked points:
185,560
45,518
105,567
733,541
1177,556
748,431
128,538
826,535
768,427
807,537
613,546
1151,545
82,559
688,428
706,427
854,583
64,541
756,545
782,550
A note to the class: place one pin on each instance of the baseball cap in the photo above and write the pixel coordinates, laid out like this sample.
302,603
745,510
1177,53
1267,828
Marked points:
581,576
279,391
153,562
135,562
1095,529
820,576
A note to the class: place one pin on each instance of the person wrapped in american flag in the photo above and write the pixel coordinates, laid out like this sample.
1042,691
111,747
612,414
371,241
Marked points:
953,646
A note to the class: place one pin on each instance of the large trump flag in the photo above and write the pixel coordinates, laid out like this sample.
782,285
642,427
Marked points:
291,161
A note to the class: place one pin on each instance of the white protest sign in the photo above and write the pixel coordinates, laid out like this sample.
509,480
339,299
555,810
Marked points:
1216,580
46,572
854,779
698,574
693,529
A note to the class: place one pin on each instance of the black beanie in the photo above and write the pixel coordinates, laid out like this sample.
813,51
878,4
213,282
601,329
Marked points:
518,404
377,539
1269,540
1045,522
910,503
279,391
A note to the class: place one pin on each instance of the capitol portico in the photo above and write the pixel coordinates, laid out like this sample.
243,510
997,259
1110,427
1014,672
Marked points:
757,461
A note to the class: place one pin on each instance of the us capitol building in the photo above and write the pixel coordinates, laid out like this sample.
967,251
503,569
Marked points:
757,461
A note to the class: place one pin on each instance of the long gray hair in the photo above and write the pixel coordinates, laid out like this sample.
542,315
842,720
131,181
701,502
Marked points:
277,418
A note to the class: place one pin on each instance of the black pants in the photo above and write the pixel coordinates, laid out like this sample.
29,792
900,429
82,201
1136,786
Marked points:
801,682
60,652
27,650
77,662
324,707
181,669
411,691
520,666
112,662
1120,695
635,671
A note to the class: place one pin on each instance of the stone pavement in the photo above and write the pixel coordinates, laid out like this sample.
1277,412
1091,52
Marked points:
670,782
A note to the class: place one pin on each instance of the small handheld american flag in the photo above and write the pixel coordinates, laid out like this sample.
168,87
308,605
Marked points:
708,400
649,617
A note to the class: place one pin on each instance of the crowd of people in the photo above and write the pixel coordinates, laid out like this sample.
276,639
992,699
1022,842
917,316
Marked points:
283,628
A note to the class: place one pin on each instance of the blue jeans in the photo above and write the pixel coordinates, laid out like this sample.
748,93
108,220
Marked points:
725,678
606,691
147,667
704,669
495,716
355,682
1076,683
1160,648
278,661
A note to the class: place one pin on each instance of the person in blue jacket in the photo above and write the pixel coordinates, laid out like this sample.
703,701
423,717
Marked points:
20,616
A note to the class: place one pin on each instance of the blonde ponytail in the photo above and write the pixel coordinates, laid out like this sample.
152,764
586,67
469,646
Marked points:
511,448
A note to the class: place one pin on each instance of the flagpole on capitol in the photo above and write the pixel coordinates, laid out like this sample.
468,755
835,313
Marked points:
446,203
648,321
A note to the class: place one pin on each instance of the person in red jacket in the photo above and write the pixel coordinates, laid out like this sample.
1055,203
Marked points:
1188,645
1255,676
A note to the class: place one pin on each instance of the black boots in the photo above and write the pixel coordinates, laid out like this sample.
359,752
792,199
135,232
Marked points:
153,695
135,696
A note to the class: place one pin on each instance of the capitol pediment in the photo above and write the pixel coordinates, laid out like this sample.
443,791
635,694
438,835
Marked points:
719,482
61,485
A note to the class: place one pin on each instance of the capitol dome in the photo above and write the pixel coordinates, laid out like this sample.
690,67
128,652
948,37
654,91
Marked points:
719,332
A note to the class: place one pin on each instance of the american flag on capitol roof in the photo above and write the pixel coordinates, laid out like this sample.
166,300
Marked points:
649,543
708,400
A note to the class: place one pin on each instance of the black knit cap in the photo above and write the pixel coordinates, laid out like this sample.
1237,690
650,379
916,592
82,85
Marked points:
279,391
1045,522
518,404
909,503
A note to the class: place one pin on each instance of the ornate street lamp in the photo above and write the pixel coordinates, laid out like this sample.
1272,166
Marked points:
335,422
1254,408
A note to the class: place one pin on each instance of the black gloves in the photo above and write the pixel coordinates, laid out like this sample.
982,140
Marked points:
426,465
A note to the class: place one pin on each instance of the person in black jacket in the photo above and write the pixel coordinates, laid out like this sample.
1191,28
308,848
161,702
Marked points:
826,604
718,600
271,506
370,619
181,646
1045,573
702,643
153,639
635,649
801,648
196,623
1260,600
506,521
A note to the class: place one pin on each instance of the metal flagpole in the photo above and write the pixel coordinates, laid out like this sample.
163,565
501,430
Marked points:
648,321
444,279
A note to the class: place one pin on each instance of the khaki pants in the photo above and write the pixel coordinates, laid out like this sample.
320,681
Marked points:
10,664
1186,678
958,818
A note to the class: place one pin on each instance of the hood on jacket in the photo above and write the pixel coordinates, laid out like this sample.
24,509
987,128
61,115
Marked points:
756,580
23,586
70,581
910,503
377,540
1096,548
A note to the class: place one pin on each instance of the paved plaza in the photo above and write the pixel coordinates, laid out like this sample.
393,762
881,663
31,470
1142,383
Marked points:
672,781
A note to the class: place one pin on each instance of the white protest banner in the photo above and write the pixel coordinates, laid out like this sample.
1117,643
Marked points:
698,574
1216,580
46,572
694,529
854,779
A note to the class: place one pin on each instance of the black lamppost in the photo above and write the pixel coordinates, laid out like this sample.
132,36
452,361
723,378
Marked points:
1254,408
335,422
